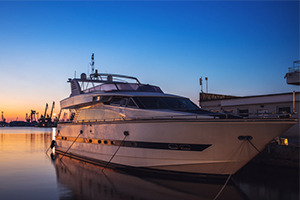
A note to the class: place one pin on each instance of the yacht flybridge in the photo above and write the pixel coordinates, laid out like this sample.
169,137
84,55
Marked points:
116,121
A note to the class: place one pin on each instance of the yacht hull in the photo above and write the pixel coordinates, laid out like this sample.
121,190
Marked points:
216,147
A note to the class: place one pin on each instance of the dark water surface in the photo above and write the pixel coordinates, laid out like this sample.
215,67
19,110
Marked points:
27,172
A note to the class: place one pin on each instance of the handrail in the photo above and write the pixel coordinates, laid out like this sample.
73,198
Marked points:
109,77
266,115
295,68
191,117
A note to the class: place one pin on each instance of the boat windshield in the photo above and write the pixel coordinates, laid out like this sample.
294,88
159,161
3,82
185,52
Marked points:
107,87
172,103
165,103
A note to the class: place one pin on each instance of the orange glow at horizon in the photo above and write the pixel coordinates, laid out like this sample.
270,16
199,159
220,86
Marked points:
18,113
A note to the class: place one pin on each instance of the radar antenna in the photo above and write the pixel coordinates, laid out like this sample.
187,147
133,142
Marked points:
92,63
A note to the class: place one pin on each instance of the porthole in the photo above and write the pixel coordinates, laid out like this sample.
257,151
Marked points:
105,142
185,147
112,142
173,146
99,141
90,140
133,144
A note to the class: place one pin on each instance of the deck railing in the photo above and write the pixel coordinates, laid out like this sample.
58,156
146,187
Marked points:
296,67
245,116
266,115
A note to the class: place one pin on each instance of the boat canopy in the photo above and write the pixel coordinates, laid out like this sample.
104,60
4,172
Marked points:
109,83
107,87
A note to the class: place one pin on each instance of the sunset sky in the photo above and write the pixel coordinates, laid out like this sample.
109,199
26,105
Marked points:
243,47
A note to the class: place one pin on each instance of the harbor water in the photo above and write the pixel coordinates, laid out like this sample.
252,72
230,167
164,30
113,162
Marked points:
29,171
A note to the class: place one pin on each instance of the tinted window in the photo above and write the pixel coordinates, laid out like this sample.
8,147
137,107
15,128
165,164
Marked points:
179,103
138,102
116,101
148,88
108,87
131,104
153,103
105,99
243,112
122,86
167,103
284,110
123,101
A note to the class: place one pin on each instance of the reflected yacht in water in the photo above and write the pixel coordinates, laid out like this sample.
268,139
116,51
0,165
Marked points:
119,122
85,181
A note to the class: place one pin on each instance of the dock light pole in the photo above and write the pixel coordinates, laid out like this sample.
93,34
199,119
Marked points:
201,91
294,106
206,84
201,84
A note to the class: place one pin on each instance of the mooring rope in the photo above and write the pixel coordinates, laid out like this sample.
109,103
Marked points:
115,152
230,174
51,146
47,151
294,145
253,145
71,145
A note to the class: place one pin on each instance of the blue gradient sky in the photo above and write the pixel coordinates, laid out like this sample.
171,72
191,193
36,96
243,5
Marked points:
243,47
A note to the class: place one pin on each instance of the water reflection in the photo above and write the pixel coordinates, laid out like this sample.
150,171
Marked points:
24,130
25,170
268,182
87,181
16,141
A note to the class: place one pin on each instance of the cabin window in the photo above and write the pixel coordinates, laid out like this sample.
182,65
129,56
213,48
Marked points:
108,87
126,86
180,103
165,103
131,104
153,103
228,111
138,102
119,101
116,101
150,102
262,113
123,102
150,88
96,98
284,110
243,112
105,99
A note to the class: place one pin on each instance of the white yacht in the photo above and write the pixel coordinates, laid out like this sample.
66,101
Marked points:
116,121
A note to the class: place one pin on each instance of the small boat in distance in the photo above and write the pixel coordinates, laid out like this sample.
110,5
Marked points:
116,121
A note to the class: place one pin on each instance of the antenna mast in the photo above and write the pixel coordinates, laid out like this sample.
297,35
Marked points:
201,84
92,63
206,84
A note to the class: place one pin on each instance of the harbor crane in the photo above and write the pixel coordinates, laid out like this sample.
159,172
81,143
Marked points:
32,115
49,118
3,119
43,117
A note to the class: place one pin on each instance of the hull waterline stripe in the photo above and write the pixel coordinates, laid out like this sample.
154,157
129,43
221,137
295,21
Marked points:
138,144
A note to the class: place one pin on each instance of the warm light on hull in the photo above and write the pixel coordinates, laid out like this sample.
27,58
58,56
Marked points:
192,146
